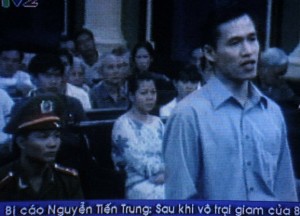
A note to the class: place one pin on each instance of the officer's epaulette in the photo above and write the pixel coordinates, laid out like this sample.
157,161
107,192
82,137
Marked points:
66,170
6,179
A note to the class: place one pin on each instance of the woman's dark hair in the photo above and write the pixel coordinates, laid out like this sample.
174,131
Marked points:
146,45
134,81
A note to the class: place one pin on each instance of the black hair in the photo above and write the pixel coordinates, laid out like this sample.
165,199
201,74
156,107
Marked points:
134,81
223,12
82,32
189,73
146,45
41,63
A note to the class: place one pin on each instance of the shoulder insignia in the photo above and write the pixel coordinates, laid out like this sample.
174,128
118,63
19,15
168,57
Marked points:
6,179
66,170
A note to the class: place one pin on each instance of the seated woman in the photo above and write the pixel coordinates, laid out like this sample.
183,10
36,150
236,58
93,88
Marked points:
142,57
137,142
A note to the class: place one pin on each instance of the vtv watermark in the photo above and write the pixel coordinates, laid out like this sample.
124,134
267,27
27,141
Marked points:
19,3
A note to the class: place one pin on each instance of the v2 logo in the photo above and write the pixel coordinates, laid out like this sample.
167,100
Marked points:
19,3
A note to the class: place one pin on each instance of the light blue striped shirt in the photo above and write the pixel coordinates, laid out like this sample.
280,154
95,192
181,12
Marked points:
217,149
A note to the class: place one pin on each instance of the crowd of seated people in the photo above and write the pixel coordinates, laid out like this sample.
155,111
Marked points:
86,79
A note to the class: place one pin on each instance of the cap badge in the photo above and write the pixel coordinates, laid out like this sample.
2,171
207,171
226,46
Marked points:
46,106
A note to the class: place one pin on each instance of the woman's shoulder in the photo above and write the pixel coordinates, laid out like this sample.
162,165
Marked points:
122,120
155,120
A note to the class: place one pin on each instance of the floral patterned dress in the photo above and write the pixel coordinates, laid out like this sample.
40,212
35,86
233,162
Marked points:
137,148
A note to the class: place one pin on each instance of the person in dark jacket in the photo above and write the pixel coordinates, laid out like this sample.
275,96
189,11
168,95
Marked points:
36,128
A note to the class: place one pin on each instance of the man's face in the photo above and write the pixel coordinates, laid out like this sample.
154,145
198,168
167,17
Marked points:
236,53
184,88
41,145
9,62
76,76
85,44
111,70
51,81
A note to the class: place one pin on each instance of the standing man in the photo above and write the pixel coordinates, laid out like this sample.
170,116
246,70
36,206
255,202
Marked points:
35,125
228,141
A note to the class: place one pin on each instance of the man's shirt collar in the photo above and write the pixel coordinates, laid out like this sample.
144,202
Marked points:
219,94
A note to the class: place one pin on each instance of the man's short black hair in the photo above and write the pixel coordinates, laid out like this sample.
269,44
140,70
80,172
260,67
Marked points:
83,31
41,63
189,73
223,12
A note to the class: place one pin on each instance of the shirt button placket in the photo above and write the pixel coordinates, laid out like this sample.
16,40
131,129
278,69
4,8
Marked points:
247,148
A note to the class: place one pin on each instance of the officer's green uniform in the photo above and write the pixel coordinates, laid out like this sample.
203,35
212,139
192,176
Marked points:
58,183
35,114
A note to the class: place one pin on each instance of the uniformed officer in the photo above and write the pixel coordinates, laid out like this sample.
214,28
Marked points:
35,125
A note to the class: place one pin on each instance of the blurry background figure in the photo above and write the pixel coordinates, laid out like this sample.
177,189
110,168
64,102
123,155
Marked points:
108,93
68,44
123,55
89,55
198,59
66,58
68,88
142,58
273,65
17,83
76,76
137,142
6,104
186,81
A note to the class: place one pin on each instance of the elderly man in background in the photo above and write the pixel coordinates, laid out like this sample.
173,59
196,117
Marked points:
108,93
16,82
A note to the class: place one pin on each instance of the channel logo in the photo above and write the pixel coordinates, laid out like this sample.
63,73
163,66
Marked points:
19,3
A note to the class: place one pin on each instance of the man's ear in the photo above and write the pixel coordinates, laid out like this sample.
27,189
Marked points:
21,141
209,53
